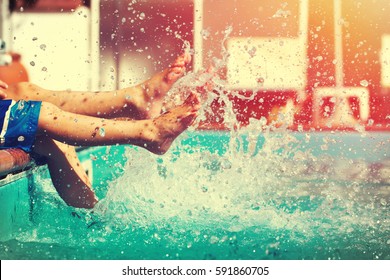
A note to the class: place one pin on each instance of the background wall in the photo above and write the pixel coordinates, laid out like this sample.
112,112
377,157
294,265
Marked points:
121,43
56,48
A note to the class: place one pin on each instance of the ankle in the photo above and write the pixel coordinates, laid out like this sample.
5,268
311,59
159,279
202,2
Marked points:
151,132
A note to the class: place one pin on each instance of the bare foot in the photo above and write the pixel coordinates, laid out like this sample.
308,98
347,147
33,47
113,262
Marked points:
202,82
155,89
172,123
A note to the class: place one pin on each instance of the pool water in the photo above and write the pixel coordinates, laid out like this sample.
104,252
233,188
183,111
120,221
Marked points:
219,195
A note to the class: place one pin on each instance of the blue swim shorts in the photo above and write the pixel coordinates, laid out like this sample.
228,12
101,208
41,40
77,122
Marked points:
18,123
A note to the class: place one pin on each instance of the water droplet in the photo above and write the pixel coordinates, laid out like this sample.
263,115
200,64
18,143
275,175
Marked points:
142,16
43,47
21,105
364,83
260,81
44,69
252,52
102,132
35,38
281,14
205,34
32,63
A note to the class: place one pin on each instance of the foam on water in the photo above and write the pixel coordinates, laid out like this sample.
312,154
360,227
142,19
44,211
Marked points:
240,190
198,202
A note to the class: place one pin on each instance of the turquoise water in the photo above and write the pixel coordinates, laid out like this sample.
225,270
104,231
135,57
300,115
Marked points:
278,195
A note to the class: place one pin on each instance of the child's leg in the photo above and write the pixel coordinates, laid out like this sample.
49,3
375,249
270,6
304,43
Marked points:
67,174
140,102
155,135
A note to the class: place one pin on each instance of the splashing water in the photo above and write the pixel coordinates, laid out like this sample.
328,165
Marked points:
257,191
243,196
254,192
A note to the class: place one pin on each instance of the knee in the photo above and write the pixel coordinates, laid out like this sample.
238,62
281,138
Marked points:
22,90
48,115
49,109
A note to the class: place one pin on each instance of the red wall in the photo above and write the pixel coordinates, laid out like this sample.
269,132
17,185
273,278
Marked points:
365,22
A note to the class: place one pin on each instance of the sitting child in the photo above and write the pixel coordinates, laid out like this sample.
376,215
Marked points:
51,123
